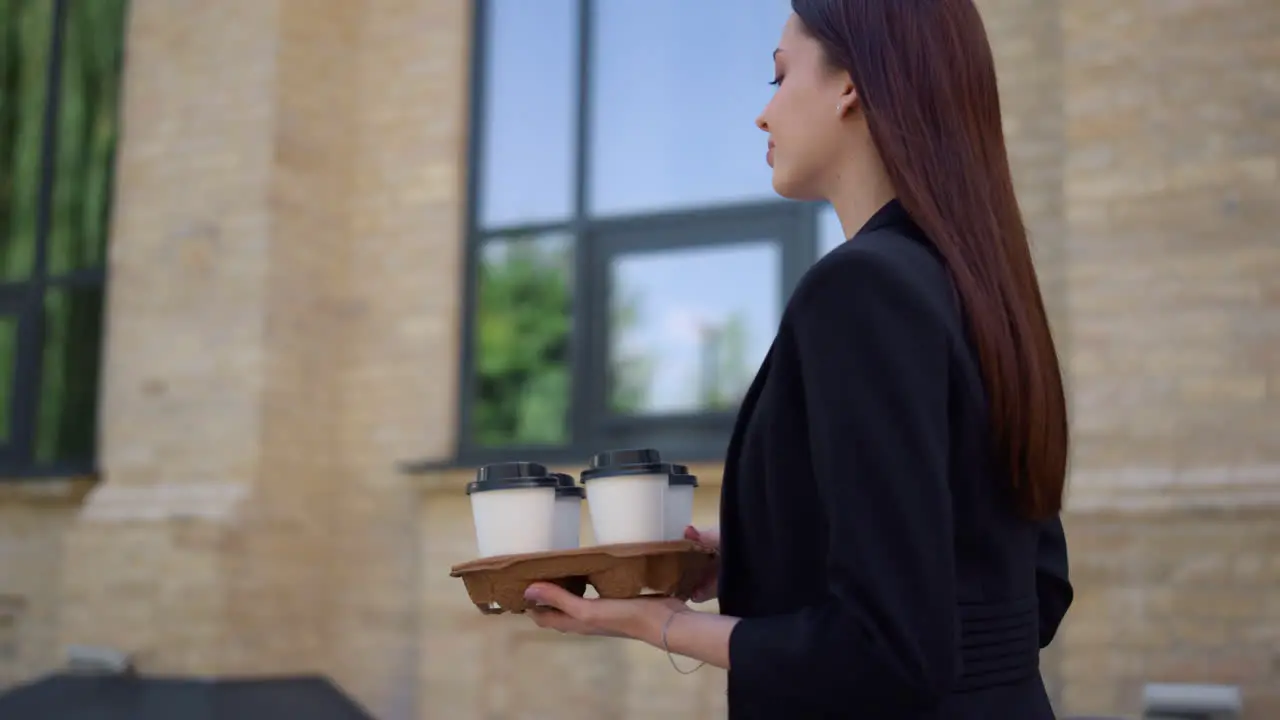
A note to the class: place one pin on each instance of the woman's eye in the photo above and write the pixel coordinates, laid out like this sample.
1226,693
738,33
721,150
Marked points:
776,81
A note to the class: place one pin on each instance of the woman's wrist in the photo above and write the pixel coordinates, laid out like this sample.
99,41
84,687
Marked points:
690,633
652,620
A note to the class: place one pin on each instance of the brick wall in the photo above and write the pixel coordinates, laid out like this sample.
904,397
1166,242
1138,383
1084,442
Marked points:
283,333
34,523
1172,128
1173,142
283,329
1182,596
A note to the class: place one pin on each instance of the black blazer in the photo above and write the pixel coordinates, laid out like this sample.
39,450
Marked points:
868,539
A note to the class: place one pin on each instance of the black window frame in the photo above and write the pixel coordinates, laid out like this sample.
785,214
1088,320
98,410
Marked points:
793,225
25,299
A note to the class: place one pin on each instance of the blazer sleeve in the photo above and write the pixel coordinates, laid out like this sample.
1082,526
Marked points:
873,354
1053,583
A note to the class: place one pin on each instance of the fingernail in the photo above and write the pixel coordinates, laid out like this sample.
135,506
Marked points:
531,593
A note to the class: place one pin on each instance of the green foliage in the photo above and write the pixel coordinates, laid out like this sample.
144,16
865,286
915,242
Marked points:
25,33
731,372
88,112
523,321
631,372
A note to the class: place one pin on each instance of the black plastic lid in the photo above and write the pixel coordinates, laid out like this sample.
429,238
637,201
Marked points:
566,480
683,478
612,463
680,476
577,491
510,475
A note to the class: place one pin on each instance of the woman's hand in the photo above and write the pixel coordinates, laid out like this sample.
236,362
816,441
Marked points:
641,618
708,586
697,635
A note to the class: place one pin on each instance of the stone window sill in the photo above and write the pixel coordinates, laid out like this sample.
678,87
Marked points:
68,490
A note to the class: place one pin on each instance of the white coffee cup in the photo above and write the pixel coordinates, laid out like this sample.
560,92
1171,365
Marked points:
569,497
627,496
679,507
513,506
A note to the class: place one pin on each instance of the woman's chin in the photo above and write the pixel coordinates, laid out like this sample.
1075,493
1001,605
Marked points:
782,184
787,187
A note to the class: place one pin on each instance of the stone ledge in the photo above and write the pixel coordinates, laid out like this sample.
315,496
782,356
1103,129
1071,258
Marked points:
1169,489
57,491
210,501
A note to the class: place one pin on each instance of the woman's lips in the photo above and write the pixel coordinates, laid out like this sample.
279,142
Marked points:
768,156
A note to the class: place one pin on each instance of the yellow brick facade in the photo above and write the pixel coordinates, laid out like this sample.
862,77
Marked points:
284,314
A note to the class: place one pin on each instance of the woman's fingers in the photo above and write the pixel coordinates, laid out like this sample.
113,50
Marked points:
706,589
552,619
554,596
706,536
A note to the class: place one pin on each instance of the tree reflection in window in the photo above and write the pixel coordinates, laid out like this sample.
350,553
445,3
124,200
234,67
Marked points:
522,331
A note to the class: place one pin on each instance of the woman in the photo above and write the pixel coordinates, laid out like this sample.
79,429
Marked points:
890,544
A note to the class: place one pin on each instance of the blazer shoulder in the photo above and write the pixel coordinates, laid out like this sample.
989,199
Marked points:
906,263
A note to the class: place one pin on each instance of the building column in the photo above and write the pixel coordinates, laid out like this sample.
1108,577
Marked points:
282,331
1173,130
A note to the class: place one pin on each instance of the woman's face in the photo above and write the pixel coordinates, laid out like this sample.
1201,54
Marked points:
806,117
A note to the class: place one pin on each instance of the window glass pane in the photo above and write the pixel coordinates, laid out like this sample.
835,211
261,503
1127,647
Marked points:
522,325
530,110
67,424
690,327
87,128
830,234
25,31
676,87
8,357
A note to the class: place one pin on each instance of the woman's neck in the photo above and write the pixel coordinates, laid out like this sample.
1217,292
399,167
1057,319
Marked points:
859,190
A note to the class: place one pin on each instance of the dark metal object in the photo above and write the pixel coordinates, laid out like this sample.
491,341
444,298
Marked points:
1184,701
70,696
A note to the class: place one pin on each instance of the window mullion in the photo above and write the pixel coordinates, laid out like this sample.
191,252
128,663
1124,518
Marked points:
26,377
584,363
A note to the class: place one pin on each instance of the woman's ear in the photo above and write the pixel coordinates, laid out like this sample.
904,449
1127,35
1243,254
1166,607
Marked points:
848,102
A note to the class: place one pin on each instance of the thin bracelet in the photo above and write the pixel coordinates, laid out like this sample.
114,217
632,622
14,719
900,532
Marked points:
665,627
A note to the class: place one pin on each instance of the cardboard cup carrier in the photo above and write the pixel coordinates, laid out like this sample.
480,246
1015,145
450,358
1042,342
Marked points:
527,524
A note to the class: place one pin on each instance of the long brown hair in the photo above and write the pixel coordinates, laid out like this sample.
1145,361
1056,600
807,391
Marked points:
926,80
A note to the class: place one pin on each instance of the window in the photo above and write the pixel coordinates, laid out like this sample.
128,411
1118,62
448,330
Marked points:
627,258
675,90
60,65
684,323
